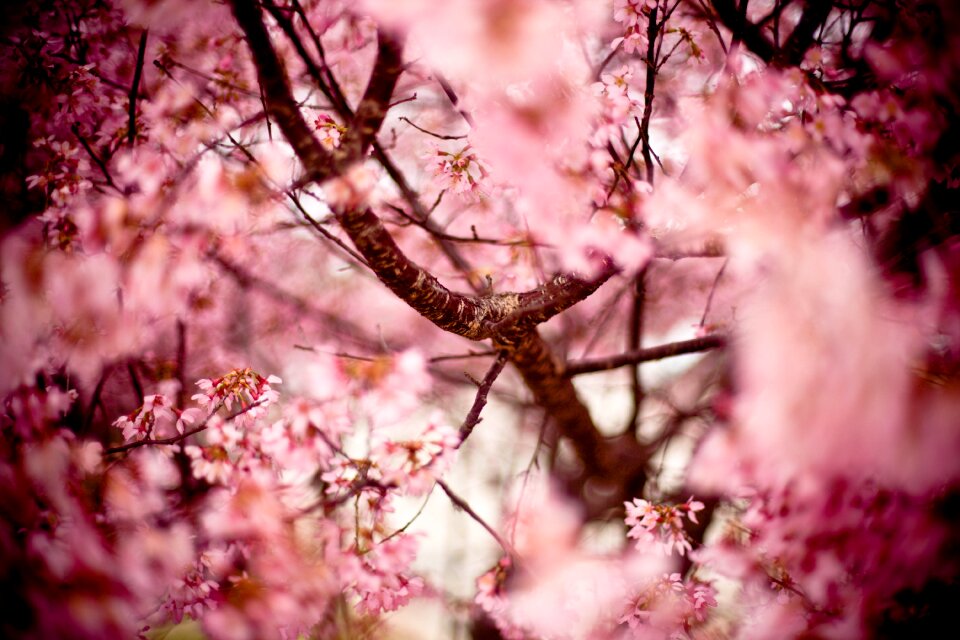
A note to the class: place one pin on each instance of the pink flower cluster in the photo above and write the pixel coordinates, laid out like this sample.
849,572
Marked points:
155,418
416,463
661,524
330,132
492,598
671,606
459,171
246,389
618,104
632,14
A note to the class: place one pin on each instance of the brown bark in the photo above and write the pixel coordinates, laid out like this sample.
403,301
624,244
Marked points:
611,470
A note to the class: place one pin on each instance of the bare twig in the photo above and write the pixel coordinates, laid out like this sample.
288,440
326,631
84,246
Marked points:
461,504
473,417
95,398
461,356
135,381
634,340
96,158
135,89
181,371
592,365
713,290
430,133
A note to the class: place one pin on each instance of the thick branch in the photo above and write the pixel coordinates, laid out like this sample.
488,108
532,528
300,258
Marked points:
751,34
539,305
801,37
281,106
376,99
460,314
135,89
616,466
502,316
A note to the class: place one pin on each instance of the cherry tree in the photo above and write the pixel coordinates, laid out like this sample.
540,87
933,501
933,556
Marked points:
660,298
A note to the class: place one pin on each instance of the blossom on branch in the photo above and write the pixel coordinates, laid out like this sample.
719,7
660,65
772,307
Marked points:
661,524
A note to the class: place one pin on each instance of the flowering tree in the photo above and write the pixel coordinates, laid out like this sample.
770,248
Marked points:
250,249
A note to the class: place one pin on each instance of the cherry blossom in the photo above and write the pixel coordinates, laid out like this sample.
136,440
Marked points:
531,270
661,524
153,417
330,131
459,171
671,605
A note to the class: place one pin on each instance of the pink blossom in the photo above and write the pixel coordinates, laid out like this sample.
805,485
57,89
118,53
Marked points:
211,464
633,41
152,419
414,464
458,171
671,606
330,131
661,524
242,391
631,13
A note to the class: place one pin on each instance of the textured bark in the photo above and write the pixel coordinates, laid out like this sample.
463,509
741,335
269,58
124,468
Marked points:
376,99
281,107
611,470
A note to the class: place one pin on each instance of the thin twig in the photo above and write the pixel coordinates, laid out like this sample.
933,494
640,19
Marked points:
629,163
442,235
135,381
473,417
606,61
95,398
411,520
713,290
401,101
430,133
461,356
96,158
134,90
338,354
183,436
181,372
452,97
318,227
707,342
461,504
635,339
651,77
529,470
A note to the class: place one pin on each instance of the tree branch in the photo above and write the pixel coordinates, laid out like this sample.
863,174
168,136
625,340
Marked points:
373,107
134,89
281,106
751,34
617,466
461,504
800,39
473,417
592,365
182,436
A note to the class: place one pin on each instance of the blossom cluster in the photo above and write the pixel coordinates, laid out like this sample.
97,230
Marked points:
787,174
154,417
661,524
459,171
330,132
633,15
671,606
